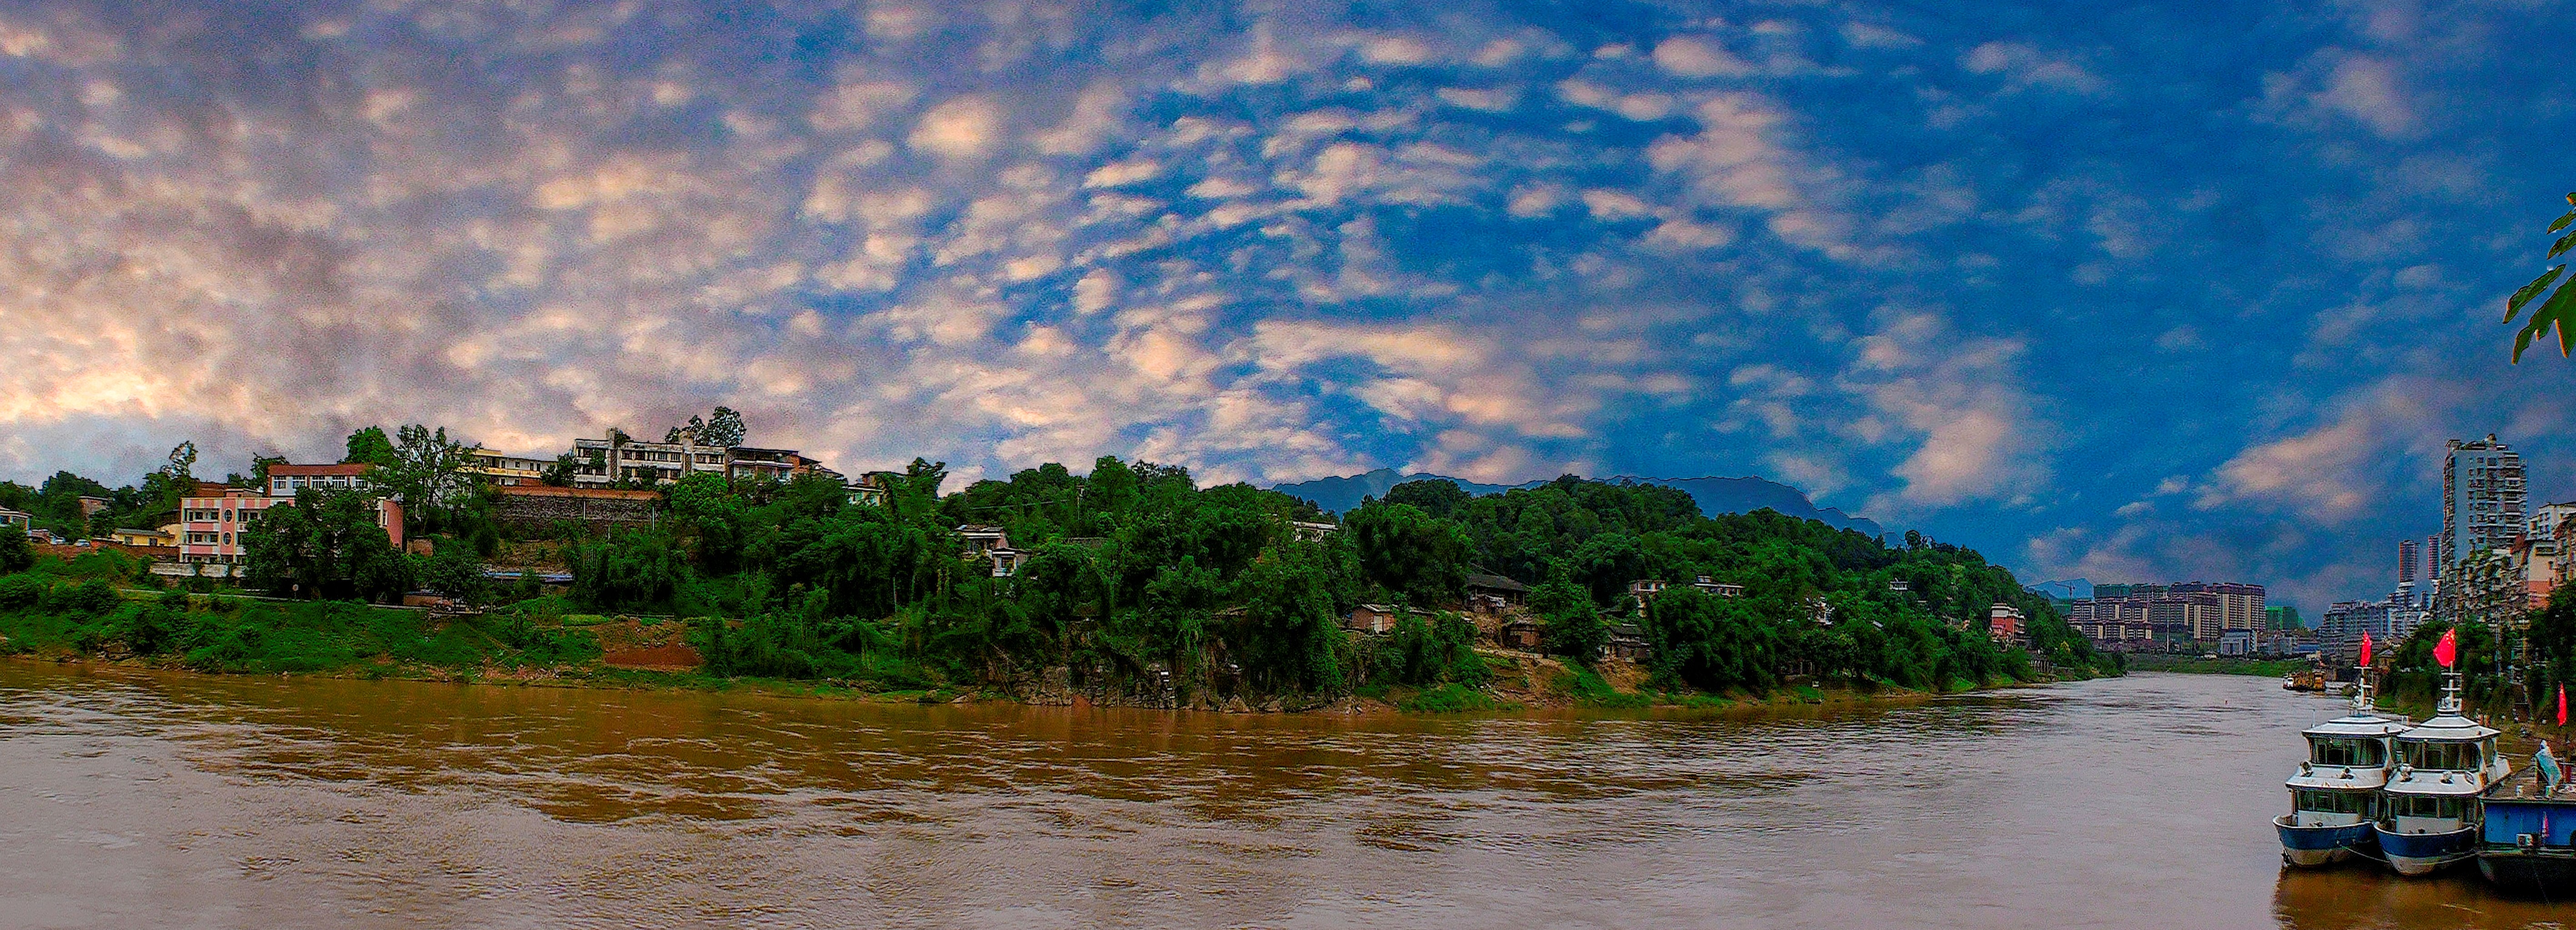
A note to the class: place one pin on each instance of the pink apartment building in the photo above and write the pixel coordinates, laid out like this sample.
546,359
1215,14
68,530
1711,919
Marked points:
213,519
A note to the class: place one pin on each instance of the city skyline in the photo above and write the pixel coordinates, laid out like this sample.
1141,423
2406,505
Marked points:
2188,293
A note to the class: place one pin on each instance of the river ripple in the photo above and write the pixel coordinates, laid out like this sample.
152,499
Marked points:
131,798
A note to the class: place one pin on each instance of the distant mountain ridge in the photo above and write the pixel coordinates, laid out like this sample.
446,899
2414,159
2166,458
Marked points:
1715,495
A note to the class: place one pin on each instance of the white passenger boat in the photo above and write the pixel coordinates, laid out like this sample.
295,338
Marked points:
2429,812
2335,794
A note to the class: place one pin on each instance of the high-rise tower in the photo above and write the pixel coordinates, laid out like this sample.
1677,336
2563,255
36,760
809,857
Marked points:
2482,498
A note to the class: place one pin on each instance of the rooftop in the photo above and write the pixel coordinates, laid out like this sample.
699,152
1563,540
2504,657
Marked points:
306,471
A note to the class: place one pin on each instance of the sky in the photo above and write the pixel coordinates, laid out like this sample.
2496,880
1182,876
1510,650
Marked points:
2117,291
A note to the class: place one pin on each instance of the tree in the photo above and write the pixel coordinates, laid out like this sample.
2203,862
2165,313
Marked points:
2557,310
559,474
723,428
369,446
1438,497
690,432
1410,552
631,570
15,554
183,457
449,570
326,548
1573,626
425,471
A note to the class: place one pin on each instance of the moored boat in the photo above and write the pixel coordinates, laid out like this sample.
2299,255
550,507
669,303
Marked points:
2335,793
2429,813
2528,841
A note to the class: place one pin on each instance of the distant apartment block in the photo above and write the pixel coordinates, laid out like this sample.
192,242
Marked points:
2482,499
2199,611
2339,636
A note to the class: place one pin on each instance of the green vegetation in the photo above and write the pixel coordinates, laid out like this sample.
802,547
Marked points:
73,609
2559,309
1130,582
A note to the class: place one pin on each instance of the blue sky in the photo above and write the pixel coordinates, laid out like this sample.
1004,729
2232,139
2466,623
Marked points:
2128,292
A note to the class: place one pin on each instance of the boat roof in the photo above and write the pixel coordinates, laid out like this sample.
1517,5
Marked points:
2449,727
2430,783
2360,724
2334,778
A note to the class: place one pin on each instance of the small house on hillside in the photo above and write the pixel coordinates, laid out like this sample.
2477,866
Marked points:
1310,531
989,542
1494,592
1628,643
2007,625
17,518
1523,634
1718,588
1370,618
1644,588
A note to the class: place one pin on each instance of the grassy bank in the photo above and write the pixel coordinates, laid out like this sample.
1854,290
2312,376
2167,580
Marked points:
60,616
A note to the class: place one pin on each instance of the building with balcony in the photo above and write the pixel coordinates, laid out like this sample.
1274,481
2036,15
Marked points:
2482,499
619,458
213,518
2007,625
506,471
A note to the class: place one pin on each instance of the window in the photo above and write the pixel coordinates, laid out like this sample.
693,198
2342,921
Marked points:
2344,750
2331,802
2442,756
2416,805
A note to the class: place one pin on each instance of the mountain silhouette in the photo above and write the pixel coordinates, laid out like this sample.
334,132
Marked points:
1715,495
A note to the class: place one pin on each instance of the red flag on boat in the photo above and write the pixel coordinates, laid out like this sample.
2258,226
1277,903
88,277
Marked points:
2448,650
2562,705
2365,650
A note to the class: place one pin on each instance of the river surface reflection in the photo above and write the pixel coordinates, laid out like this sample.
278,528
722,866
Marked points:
140,799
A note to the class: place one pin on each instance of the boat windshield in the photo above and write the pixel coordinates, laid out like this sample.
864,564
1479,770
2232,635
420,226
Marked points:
2345,750
2416,805
2331,802
2443,756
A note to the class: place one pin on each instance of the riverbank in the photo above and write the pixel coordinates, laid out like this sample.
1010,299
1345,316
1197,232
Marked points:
540,644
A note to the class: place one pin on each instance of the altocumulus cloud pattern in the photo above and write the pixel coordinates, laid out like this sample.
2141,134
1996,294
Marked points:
2131,292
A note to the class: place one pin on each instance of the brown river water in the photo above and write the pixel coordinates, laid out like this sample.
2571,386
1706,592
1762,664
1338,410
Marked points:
175,800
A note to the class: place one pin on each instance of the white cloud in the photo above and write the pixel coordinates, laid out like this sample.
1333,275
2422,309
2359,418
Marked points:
2335,471
2367,89
1970,423
1697,57
2025,66
964,127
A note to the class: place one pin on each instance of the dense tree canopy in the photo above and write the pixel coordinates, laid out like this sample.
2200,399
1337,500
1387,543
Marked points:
1133,576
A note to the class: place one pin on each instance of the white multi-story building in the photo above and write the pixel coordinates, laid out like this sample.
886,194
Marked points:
602,462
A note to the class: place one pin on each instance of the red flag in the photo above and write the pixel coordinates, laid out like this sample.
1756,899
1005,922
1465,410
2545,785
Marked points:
2448,650
2562,705
2365,650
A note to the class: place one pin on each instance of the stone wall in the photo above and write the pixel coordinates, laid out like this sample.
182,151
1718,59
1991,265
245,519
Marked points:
538,507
